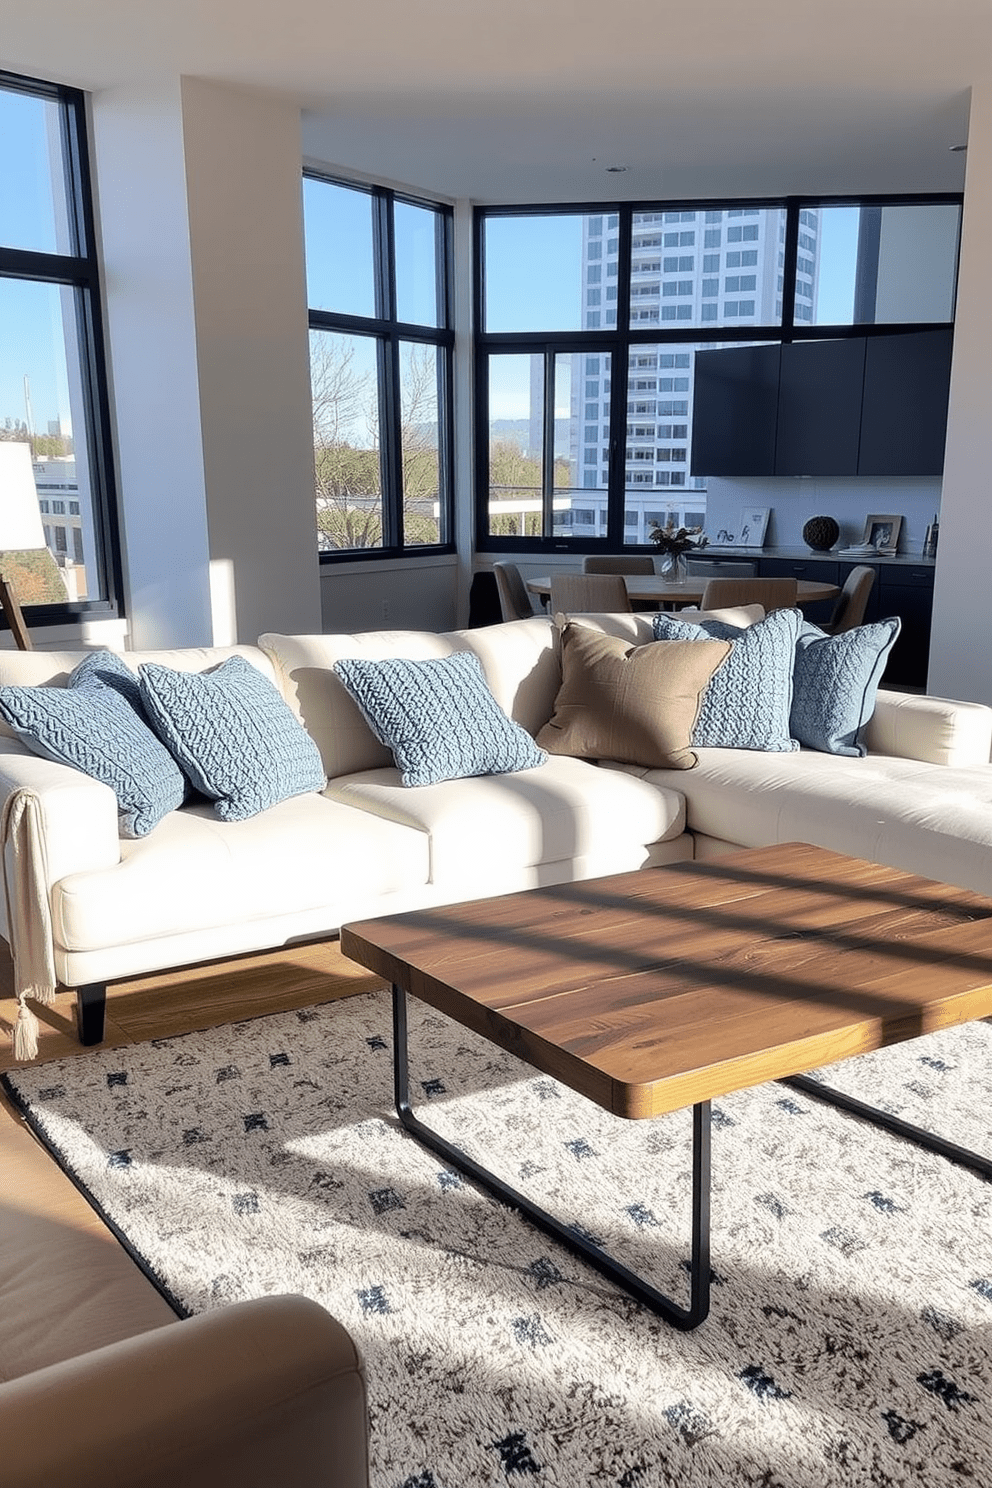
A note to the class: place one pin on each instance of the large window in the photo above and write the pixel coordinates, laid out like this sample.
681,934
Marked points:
54,472
588,320
379,292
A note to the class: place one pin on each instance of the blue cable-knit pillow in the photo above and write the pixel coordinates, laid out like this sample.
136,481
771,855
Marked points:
438,717
835,683
747,703
96,723
232,733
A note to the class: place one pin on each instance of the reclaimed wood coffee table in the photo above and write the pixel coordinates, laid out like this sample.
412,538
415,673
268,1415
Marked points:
656,990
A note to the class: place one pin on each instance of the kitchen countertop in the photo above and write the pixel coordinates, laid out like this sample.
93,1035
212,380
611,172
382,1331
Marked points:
801,551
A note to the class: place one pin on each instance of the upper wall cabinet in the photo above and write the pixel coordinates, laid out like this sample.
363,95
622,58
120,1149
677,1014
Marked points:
819,407
858,406
735,410
904,413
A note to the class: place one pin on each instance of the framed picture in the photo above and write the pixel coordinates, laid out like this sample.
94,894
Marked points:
747,530
882,533
751,526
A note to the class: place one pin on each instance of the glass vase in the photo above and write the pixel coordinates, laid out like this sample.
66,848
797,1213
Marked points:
674,567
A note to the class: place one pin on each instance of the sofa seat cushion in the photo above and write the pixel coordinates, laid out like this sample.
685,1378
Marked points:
901,812
195,872
490,824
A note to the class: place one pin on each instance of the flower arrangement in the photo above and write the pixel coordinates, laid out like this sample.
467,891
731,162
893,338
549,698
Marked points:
678,541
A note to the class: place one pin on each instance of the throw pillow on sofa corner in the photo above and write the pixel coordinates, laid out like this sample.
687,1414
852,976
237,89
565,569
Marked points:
835,684
234,736
438,717
629,703
748,703
97,724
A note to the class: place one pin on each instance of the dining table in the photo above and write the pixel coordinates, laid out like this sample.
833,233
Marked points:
656,589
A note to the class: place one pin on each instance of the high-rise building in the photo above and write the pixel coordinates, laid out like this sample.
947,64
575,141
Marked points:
705,268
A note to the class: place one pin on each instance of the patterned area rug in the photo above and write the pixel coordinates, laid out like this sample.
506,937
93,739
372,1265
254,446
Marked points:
850,1337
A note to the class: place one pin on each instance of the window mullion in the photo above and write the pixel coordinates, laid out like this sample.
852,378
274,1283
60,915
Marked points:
619,364
548,461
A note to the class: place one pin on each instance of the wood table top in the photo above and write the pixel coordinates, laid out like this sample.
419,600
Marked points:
648,588
653,990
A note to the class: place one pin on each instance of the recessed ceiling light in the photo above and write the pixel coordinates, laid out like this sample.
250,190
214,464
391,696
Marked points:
617,169
957,149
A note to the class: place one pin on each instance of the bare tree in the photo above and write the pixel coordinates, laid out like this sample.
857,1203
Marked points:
346,444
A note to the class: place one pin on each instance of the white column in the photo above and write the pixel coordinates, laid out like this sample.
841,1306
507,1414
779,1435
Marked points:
245,199
141,195
201,220
960,653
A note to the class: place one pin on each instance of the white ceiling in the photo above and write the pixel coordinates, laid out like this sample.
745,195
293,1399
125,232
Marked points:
531,100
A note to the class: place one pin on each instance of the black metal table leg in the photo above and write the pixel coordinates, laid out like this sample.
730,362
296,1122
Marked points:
685,1318
915,1134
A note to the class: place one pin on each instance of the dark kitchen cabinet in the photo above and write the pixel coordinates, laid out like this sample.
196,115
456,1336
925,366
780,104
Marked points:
819,407
735,411
907,592
861,405
904,413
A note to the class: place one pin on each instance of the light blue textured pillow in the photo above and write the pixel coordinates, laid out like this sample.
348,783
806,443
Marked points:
835,682
232,733
96,724
438,717
747,702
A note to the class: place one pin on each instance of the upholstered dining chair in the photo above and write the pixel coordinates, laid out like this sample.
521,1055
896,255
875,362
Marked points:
514,601
852,601
773,594
573,593
635,563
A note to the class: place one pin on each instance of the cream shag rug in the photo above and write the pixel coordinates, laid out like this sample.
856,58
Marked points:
850,1336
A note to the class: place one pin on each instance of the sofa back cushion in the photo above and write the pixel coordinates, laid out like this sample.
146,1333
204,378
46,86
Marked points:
519,665
54,668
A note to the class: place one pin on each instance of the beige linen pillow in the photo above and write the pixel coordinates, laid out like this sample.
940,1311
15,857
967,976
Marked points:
635,704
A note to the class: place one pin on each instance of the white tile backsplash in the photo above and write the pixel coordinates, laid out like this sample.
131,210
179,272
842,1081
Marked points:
794,499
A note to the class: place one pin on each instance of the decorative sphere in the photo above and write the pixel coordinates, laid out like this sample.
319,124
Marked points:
820,533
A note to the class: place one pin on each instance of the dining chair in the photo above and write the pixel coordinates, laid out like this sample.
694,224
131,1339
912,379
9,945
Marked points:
633,564
602,594
514,600
852,601
772,594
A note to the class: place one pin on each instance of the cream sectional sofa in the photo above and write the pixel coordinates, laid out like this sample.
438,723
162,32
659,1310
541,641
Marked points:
84,907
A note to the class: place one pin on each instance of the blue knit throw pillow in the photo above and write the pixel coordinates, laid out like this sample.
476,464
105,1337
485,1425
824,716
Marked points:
233,734
96,723
748,700
438,717
836,681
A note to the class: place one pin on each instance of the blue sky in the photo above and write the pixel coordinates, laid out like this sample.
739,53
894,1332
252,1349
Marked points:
30,314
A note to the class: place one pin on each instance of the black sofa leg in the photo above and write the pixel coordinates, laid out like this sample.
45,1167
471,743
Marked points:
91,1005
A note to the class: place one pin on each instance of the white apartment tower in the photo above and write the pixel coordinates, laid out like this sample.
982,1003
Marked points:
705,268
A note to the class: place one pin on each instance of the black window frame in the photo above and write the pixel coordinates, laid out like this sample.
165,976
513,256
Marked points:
388,332
79,270
620,340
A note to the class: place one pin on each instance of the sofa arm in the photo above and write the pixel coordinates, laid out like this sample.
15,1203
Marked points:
54,820
261,1393
78,814
937,730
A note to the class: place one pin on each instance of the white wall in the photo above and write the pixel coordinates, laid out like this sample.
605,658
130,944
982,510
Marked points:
960,654
419,594
849,499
